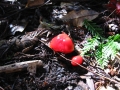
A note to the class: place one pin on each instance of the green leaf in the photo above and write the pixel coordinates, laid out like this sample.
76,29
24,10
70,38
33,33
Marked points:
115,37
94,29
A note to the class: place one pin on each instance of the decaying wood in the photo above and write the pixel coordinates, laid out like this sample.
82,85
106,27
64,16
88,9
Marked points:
28,65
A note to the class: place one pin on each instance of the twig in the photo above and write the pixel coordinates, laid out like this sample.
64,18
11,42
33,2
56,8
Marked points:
20,66
111,13
1,88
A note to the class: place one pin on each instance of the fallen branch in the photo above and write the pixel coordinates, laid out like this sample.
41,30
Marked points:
28,65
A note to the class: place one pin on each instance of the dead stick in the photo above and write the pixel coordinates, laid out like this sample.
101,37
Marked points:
20,66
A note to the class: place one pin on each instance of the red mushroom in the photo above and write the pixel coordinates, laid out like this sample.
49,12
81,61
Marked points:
76,60
62,43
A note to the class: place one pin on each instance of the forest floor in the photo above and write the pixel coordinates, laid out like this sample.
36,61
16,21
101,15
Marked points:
39,39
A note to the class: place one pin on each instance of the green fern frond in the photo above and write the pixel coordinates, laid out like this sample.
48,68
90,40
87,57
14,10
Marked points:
94,29
104,51
107,52
115,37
90,45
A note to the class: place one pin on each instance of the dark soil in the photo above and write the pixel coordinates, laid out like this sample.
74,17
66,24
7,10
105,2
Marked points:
57,73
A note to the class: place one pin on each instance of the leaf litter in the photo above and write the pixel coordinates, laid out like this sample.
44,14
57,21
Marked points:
94,31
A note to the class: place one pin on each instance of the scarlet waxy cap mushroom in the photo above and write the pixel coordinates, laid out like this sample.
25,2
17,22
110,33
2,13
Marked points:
77,60
62,43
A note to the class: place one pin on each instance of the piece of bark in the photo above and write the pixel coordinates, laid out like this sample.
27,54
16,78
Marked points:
28,65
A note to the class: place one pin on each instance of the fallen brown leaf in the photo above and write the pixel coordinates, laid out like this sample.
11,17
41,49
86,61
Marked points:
77,17
34,3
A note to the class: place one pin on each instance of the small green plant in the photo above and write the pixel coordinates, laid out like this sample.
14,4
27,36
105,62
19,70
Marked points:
104,49
90,45
107,51
94,29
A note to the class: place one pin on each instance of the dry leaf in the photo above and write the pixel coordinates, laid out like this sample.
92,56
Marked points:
77,17
34,2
